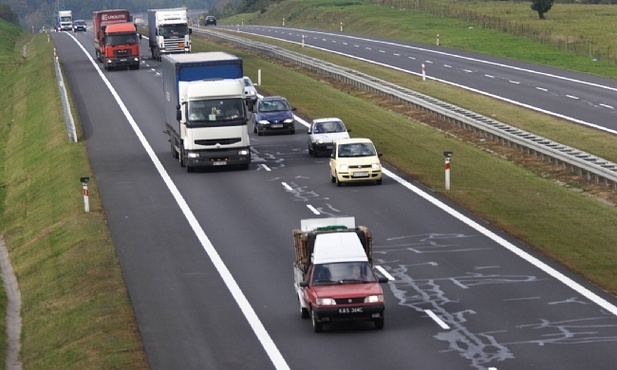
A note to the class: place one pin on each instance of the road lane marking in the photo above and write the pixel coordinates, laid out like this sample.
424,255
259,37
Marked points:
243,303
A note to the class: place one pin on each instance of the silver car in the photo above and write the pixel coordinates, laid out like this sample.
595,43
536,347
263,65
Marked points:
250,93
323,132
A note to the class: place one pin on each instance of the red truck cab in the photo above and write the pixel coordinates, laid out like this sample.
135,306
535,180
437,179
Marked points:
334,274
116,40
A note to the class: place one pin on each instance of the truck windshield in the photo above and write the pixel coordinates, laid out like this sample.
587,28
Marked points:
122,39
343,272
216,111
173,30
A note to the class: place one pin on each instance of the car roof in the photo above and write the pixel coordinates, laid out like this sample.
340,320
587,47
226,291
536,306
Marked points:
354,140
338,247
330,119
273,97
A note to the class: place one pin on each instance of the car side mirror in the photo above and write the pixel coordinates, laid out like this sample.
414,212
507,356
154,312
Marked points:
348,130
190,31
383,280
379,154
303,284
309,131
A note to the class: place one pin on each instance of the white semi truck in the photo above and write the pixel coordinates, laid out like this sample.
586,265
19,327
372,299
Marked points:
205,110
168,31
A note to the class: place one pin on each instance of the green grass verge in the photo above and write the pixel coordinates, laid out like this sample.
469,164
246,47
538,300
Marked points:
75,308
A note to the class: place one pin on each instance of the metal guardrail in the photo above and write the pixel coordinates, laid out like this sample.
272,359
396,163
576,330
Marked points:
588,165
69,122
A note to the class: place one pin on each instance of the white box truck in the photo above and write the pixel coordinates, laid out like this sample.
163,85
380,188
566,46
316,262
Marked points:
168,31
205,112
65,20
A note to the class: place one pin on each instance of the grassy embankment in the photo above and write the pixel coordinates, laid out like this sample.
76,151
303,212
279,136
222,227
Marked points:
75,309
577,231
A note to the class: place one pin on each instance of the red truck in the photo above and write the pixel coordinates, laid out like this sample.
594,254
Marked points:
116,40
334,276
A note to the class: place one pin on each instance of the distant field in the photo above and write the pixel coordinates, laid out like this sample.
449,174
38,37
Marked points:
500,28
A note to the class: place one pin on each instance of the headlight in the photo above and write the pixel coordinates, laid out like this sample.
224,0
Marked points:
289,120
375,166
263,122
193,155
344,167
373,299
243,152
326,301
319,141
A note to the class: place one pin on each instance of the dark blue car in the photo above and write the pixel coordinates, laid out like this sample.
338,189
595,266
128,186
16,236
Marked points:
272,114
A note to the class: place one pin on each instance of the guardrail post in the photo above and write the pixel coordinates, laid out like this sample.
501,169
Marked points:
447,156
84,185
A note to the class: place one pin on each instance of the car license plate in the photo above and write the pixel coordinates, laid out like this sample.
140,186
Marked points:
359,174
350,310
123,59
277,125
219,163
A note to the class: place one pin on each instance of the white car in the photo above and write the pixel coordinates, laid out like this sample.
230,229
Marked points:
250,93
355,160
323,132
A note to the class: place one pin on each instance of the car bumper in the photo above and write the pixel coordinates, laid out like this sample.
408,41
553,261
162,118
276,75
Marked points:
273,127
323,148
349,313
359,175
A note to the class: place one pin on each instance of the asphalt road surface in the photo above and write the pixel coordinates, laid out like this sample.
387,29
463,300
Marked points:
207,256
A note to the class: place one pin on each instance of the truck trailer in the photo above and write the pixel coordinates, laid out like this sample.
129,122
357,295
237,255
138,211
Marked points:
116,40
334,275
168,31
65,20
205,113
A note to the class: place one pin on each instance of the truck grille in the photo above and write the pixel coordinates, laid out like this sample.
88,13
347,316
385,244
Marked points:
174,45
218,141
122,52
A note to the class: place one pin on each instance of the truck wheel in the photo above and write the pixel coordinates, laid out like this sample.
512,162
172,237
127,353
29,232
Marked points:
317,326
379,323
174,153
181,158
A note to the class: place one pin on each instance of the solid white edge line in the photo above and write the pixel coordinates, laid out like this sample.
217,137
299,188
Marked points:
509,246
435,318
260,331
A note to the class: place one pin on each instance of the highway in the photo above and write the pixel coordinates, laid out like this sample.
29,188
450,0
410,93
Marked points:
207,256
585,99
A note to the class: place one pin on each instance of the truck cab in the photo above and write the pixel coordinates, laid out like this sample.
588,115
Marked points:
334,274
121,46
